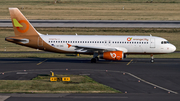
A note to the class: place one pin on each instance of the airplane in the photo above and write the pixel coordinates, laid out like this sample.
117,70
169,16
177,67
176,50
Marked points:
108,47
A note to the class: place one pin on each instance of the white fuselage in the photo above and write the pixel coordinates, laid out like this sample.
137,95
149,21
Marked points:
127,44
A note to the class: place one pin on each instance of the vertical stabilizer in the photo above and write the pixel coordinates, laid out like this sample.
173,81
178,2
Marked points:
20,24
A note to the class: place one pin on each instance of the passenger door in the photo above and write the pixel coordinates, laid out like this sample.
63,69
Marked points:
152,43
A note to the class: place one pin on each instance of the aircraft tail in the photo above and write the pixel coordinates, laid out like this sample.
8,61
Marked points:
20,24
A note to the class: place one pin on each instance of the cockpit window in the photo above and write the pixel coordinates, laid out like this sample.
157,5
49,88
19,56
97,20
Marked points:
164,42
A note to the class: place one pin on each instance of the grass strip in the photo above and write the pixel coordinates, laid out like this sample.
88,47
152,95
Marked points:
41,84
94,9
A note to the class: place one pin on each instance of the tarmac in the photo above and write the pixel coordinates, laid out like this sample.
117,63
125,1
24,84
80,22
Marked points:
137,79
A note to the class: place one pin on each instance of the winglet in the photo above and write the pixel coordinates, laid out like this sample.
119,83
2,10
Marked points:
69,45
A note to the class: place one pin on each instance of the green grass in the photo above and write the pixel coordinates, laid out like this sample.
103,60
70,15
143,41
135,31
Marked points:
94,9
41,84
42,55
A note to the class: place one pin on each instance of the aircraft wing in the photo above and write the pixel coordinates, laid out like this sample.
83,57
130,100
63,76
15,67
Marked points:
98,48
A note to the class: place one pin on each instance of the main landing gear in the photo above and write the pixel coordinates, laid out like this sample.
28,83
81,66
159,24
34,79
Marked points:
95,58
152,59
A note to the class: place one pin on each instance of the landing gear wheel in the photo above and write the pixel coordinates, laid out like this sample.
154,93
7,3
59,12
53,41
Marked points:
152,60
93,60
97,58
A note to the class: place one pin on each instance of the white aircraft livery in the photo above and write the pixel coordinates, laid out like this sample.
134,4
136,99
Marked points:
100,46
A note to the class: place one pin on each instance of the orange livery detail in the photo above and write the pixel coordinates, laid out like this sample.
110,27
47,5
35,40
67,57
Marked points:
112,55
69,45
27,26
129,39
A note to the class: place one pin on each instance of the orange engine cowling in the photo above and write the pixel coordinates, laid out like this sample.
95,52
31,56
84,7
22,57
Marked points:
112,55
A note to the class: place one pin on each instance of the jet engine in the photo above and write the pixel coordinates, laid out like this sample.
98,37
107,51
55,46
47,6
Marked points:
112,55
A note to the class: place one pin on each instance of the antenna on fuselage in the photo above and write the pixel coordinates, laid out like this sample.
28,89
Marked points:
76,34
150,35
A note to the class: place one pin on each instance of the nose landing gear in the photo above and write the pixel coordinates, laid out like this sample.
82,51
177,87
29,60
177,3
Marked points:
152,59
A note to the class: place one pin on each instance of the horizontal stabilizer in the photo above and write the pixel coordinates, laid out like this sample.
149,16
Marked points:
22,40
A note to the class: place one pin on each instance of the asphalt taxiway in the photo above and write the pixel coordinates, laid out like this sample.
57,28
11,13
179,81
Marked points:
135,78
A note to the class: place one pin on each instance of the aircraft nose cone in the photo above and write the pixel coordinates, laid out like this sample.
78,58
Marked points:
173,48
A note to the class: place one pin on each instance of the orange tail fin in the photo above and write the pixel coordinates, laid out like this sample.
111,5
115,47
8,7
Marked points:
20,24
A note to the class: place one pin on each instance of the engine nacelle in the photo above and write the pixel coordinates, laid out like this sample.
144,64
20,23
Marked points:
112,55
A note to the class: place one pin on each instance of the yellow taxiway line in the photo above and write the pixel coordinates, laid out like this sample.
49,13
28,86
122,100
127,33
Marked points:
42,62
130,62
